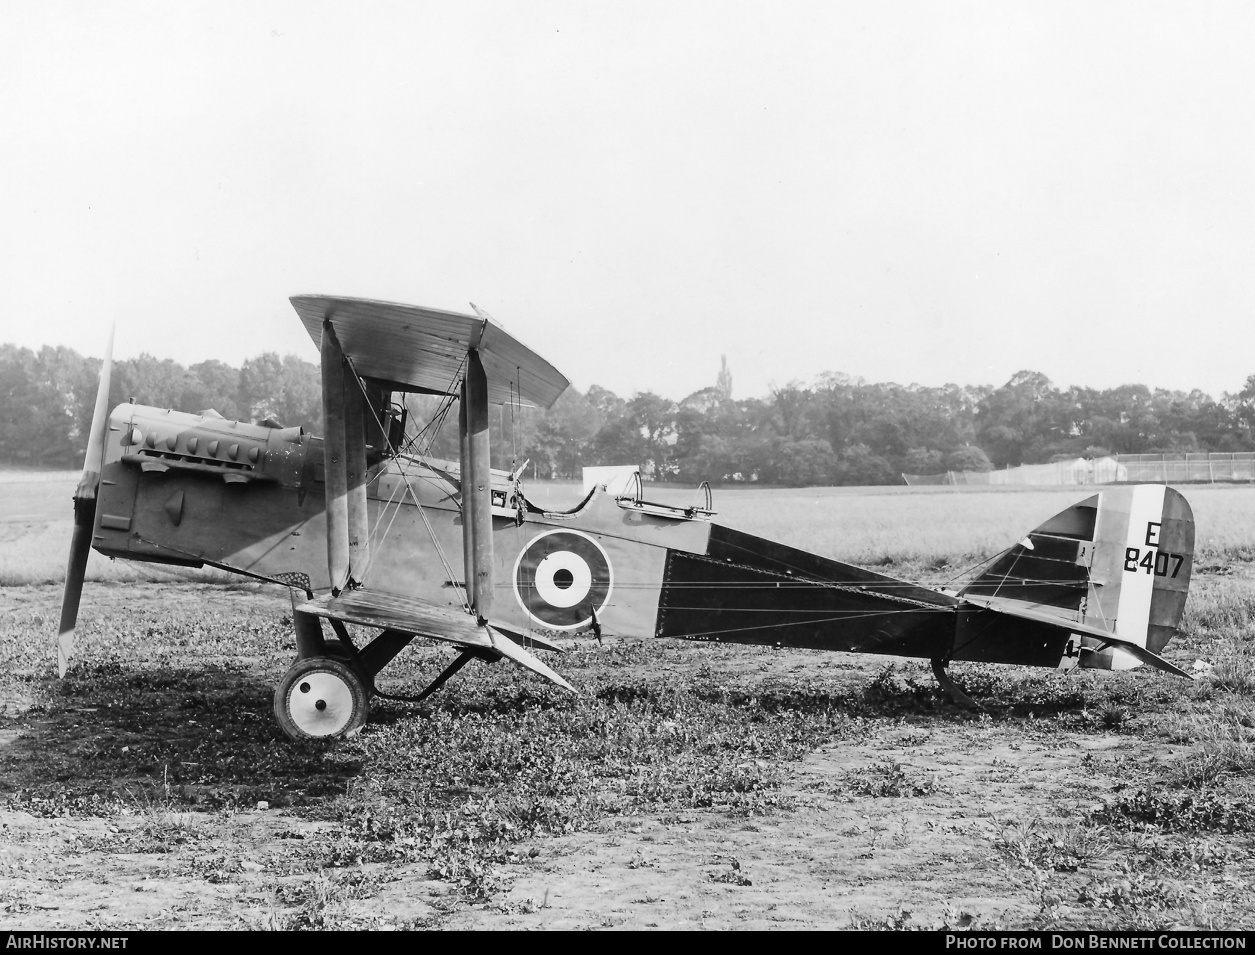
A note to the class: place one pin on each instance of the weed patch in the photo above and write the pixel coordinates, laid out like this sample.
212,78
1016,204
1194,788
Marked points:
1205,811
886,779
1056,848
732,875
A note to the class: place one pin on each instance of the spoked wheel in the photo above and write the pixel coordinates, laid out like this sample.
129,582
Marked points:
321,698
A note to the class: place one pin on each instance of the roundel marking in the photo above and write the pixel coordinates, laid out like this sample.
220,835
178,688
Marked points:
561,578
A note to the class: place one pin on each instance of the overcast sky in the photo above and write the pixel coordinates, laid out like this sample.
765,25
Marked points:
912,191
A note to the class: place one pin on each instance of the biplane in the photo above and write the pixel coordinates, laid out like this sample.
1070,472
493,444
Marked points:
366,530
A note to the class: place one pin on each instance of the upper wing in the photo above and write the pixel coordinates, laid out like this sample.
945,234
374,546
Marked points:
423,349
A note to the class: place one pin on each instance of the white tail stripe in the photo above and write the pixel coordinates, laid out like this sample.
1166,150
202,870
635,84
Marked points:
1138,587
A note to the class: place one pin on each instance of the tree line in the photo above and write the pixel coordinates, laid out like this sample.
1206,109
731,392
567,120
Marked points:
835,430
47,397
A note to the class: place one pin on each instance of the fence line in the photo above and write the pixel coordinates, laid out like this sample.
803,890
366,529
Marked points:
1166,468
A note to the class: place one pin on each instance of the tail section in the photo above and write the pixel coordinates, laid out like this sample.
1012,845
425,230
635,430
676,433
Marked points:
1148,555
1115,569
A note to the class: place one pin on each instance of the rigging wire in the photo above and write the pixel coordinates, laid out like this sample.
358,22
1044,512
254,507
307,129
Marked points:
405,474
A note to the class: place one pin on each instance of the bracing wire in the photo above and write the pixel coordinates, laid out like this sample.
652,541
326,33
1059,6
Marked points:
378,539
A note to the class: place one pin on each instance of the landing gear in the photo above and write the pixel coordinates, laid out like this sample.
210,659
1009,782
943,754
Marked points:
326,693
321,698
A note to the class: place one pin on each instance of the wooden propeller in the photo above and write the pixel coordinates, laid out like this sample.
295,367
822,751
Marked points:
84,514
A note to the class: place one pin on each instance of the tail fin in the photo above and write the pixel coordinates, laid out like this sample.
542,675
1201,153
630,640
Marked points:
1117,563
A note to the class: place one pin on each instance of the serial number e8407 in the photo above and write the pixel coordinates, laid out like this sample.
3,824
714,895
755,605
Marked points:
1161,563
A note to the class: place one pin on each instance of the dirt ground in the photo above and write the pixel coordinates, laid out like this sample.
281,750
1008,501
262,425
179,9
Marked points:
826,864
966,820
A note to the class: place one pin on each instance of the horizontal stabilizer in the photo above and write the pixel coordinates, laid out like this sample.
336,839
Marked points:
1060,619
1148,657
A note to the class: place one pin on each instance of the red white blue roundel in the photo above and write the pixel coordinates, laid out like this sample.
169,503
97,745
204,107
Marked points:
561,578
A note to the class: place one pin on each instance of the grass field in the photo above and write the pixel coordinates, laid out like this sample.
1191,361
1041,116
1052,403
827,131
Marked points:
687,786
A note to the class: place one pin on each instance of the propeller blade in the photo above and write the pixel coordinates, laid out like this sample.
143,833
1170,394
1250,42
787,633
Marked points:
80,548
84,514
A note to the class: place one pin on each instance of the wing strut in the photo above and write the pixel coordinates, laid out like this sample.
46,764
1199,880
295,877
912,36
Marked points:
355,465
468,502
344,463
334,464
477,484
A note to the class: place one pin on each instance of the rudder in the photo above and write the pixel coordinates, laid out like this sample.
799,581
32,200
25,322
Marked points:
1144,557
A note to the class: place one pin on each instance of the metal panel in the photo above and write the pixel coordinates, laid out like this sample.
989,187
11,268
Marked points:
424,348
714,600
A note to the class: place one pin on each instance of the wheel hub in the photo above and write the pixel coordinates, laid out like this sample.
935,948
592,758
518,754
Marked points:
321,704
